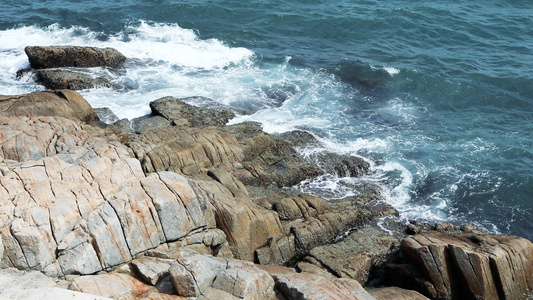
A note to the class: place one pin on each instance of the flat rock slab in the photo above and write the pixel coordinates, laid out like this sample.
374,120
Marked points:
22,285
313,287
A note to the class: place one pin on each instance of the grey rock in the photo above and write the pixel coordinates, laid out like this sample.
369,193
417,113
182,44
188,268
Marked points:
73,56
151,269
106,115
145,123
63,79
342,165
355,256
181,113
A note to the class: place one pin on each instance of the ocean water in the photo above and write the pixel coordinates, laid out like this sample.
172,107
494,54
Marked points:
437,96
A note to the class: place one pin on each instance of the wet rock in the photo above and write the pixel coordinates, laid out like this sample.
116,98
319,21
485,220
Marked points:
124,125
105,114
269,161
466,266
342,165
73,56
63,79
181,113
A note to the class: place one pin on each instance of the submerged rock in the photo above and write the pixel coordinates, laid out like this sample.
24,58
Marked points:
42,57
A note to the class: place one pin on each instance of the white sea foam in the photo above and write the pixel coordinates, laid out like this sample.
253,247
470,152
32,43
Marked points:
167,60
391,71
163,60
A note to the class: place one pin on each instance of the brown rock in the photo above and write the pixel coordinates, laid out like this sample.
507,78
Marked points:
186,150
181,113
247,226
61,103
269,162
354,256
112,285
472,266
73,56
395,293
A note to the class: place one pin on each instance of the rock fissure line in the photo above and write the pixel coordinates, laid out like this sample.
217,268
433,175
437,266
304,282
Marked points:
121,228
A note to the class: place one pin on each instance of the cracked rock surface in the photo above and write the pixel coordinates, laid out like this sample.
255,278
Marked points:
182,212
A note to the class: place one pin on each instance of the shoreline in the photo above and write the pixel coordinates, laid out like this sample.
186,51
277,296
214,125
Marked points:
187,190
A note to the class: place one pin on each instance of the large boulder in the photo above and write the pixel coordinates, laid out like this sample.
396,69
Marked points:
76,203
60,103
42,57
466,266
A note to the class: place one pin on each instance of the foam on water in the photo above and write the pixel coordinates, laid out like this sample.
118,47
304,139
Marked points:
163,60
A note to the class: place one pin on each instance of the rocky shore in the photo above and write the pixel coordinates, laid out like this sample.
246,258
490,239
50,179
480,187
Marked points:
178,205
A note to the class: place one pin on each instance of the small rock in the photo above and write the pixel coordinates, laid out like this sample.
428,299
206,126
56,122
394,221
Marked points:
151,269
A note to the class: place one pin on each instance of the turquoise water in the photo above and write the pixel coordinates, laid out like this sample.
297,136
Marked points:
437,96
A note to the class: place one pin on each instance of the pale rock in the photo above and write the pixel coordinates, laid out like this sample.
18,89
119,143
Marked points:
113,285
395,293
294,285
184,282
151,269
33,285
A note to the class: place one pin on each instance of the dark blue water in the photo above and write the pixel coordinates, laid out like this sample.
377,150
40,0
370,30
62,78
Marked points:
437,96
